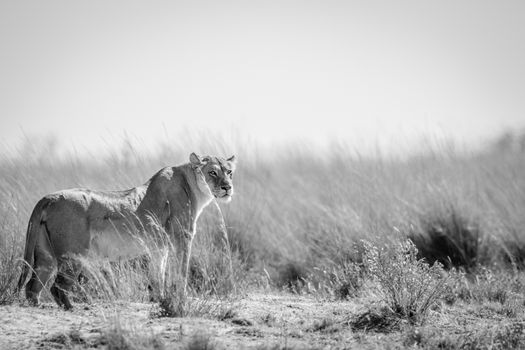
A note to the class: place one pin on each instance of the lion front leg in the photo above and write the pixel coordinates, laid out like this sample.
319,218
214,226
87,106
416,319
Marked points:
183,245
185,262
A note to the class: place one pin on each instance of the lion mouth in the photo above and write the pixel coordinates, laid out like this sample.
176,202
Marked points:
222,193
223,196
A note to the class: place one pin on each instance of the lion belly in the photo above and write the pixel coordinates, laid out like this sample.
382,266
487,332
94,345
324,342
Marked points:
114,245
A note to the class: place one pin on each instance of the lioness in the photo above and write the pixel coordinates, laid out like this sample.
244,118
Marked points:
81,221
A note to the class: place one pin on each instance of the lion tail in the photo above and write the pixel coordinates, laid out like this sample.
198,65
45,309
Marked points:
34,229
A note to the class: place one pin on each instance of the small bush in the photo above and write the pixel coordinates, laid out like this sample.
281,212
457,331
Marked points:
408,285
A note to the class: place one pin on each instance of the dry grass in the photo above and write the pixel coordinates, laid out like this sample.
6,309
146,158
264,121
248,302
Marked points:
113,336
117,337
9,268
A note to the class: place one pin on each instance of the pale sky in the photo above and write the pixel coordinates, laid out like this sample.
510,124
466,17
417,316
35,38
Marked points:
360,71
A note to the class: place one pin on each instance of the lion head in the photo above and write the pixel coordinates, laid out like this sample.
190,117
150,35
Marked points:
217,173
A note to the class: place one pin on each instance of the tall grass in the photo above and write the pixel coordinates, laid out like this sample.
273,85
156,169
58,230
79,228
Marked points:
155,276
298,207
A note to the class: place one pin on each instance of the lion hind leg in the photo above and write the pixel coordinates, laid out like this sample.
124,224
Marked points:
45,266
66,278
60,290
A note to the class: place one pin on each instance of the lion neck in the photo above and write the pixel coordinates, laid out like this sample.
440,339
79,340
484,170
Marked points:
171,194
202,195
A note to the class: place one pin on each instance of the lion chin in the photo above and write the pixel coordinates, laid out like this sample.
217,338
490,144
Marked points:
226,198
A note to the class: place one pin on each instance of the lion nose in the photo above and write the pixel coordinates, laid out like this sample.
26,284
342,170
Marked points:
226,187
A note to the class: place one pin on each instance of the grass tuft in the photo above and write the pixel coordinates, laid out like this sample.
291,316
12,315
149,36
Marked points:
9,271
507,336
200,341
381,320
117,337
342,281
67,340
292,276
449,239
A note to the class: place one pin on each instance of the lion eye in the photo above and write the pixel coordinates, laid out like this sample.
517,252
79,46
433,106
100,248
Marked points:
213,173
228,172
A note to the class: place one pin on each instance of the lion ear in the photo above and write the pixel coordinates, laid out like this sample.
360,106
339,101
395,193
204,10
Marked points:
195,159
232,159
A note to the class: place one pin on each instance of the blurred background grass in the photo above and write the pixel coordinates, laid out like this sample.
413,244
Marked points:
298,211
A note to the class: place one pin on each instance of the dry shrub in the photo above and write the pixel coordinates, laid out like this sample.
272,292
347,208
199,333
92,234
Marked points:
408,285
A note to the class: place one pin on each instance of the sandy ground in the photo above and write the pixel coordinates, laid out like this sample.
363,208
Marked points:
258,321
275,321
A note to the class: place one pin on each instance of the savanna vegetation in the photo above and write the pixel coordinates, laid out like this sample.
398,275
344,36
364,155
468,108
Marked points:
425,250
